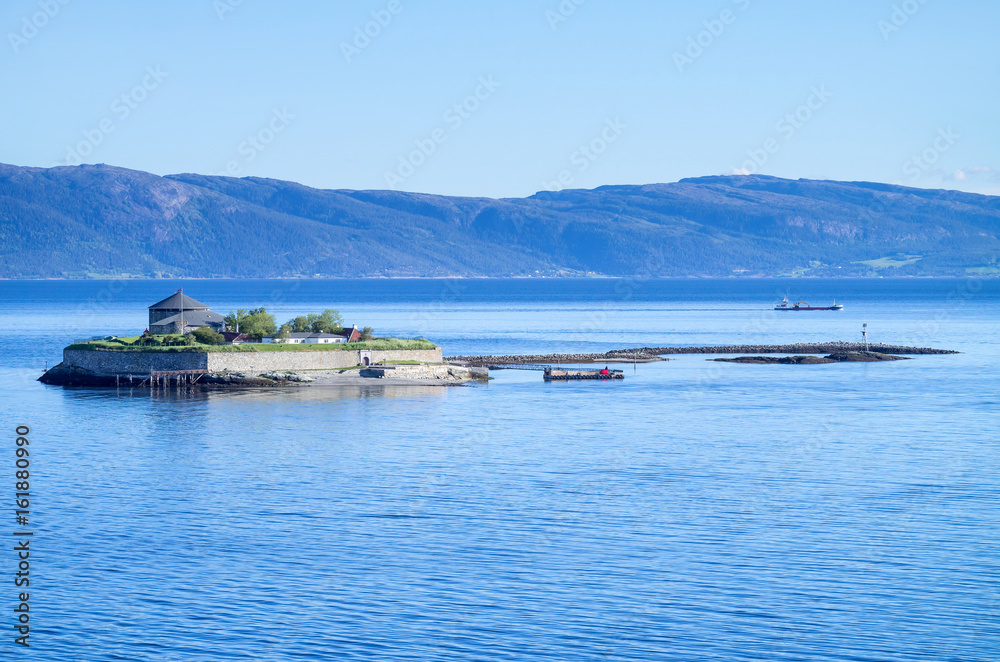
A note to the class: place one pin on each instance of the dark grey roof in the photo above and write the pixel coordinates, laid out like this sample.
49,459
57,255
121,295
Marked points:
203,317
174,301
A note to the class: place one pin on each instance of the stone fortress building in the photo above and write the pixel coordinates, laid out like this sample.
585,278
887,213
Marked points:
113,365
179,313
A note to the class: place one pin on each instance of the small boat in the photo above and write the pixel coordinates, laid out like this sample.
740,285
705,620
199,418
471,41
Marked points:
802,305
559,375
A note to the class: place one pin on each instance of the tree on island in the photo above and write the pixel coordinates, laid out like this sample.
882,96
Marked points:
367,334
329,321
234,321
257,323
175,340
283,333
147,339
207,336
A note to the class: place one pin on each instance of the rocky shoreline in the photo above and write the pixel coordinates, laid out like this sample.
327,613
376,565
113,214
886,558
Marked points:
460,369
410,374
840,357
651,354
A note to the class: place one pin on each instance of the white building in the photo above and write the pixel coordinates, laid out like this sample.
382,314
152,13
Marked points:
309,338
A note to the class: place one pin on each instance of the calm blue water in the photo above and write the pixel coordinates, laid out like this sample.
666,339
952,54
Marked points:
697,511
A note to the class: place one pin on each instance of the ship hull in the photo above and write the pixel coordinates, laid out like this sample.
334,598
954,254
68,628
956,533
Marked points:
811,308
557,375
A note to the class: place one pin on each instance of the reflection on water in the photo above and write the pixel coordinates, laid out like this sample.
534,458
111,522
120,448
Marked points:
289,395
695,511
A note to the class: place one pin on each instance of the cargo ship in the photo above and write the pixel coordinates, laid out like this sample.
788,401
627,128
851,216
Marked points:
802,305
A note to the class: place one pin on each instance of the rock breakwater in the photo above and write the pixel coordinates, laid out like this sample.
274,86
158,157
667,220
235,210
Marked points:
840,357
649,354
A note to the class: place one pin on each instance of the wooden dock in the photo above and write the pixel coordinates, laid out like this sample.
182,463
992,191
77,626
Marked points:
164,378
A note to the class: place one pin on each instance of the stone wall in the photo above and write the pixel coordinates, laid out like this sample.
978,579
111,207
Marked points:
255,363
251,363
422,355
442,372
132,363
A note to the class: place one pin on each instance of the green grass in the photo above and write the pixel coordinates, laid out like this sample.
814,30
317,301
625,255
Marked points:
886,262
377,343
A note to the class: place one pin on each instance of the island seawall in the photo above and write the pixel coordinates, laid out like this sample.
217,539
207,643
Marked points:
80,367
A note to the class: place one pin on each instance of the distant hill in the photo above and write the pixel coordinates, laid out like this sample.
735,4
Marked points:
101,221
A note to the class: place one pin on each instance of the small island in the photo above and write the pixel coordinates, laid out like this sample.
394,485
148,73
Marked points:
186,343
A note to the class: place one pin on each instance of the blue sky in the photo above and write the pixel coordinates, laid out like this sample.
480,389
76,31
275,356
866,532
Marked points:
507,98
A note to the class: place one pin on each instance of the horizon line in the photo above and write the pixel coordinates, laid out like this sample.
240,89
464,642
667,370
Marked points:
542,191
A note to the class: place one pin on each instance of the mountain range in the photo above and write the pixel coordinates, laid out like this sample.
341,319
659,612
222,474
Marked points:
99,221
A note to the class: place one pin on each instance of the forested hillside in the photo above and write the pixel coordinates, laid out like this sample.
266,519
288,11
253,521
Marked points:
100,221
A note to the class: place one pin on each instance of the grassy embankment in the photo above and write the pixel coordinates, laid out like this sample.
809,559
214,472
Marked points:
377,343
